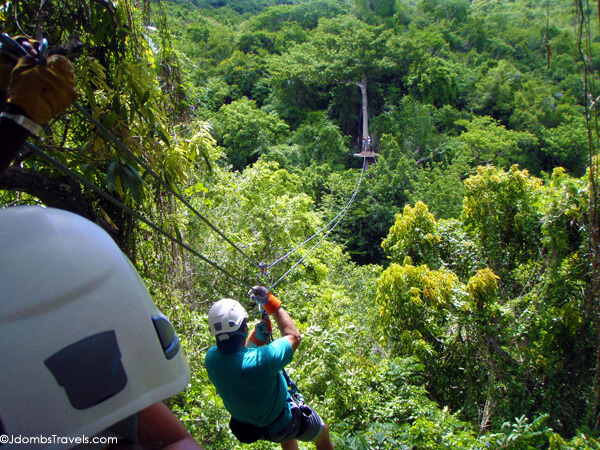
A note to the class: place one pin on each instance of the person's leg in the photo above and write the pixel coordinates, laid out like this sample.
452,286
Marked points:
290,445
323,441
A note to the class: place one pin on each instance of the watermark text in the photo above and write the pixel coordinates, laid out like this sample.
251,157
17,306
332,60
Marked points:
54,439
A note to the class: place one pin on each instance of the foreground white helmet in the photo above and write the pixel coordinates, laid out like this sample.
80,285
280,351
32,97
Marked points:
83,345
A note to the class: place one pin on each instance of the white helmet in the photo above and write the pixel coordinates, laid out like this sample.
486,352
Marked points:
226,316
83,345
227,320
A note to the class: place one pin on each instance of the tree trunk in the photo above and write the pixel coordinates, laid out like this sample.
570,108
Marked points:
62,192
365,113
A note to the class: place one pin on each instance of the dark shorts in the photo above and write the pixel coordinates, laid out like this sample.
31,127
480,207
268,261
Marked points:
306,425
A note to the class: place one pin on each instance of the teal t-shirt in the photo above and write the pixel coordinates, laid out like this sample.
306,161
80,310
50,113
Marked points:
251,384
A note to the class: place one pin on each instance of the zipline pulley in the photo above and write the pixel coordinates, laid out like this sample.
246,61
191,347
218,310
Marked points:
263,274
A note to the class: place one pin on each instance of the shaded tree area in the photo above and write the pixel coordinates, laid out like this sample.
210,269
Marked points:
123,87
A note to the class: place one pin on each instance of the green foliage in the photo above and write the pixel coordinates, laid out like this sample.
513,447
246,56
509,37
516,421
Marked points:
305,14
412,301
496,88
521,434
436,82
565,207
447,9
246,131
342,50
566,144
458,250
501,208
477,330
383,193
491,143
413,236
580,442
440,187
320,142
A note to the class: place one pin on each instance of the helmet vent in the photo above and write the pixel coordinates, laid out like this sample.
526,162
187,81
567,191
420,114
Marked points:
90,370
218,326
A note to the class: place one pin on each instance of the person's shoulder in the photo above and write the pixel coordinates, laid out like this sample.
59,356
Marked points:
281,345
212,353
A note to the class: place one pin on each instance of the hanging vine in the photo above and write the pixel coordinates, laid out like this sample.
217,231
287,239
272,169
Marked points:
591,98
121,83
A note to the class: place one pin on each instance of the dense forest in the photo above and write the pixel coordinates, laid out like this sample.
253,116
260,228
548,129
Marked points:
452,296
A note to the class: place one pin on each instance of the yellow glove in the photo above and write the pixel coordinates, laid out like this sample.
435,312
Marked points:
43,89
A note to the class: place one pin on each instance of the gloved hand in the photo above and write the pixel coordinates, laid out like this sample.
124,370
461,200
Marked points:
9,61
264,298
261,332
43,89
262,329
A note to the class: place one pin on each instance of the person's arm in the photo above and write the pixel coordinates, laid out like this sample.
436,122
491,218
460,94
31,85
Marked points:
272,305
13,136
37,92
260,334
287,327
159,428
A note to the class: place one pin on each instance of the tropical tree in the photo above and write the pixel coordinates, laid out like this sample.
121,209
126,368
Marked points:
245,131
123,88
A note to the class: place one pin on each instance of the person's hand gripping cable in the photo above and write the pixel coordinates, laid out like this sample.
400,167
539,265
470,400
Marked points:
264,299
39,88
263,329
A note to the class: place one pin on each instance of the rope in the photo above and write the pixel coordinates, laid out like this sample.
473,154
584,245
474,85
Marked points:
130,211
124,149
284,257
337,219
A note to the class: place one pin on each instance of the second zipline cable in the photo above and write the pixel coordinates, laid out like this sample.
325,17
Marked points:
130,211
124,149
337,219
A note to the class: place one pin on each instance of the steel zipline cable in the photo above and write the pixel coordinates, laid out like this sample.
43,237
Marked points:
124,149
264,267
130,211
335,221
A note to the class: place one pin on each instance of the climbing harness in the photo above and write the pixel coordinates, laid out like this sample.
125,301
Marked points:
293,389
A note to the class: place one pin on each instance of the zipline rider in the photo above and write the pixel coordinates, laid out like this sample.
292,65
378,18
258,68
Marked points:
248,375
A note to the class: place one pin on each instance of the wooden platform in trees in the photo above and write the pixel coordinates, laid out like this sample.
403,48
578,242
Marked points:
369,154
